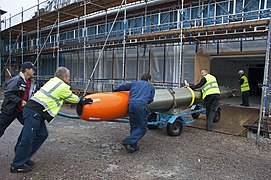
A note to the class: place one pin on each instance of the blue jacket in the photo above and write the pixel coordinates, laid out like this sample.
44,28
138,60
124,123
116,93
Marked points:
141,92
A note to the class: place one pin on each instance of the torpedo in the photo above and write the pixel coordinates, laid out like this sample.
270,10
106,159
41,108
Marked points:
114,105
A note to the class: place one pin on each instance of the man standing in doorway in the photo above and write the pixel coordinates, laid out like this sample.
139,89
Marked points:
210,94
141,94
243,81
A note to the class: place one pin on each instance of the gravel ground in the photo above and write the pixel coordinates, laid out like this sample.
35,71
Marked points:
76,149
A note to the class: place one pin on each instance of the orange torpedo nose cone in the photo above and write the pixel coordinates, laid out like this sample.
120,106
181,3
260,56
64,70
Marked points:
106,106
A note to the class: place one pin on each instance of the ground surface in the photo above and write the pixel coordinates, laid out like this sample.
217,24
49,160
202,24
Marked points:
76,149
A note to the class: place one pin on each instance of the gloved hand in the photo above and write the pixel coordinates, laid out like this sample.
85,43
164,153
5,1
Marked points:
84,101
88,101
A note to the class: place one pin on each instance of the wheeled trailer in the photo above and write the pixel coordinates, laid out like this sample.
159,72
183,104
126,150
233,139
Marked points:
174,122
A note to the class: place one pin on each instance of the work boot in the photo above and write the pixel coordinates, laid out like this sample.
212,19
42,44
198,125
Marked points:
208,128
24,169
131,149
30,163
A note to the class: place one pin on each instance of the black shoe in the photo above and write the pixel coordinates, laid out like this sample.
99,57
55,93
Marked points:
30,163
131,149
24,169
208,129
134,149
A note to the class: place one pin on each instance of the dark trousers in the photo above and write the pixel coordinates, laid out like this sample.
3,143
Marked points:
212,103
138,123
7,119
245,96
34,133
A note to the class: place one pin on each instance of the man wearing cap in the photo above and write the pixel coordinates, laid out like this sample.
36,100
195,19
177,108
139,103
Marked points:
243,81
43,106
17,91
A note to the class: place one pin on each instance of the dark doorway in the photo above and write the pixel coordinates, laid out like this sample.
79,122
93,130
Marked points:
255,77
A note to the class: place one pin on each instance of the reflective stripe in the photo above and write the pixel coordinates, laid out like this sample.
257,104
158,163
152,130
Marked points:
245,85
211,86
44,105
54,88
68,96
48,94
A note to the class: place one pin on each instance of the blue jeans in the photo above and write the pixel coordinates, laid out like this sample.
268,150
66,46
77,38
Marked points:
138,123
34,133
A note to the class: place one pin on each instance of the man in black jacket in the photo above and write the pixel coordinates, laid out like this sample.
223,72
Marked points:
18,90
210,94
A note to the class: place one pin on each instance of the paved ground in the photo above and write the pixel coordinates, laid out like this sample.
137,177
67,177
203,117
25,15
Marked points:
76,149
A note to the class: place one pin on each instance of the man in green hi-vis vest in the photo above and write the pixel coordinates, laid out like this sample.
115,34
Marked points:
210,94
243,81
44,105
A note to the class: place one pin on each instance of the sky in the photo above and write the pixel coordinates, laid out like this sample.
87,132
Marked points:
15,6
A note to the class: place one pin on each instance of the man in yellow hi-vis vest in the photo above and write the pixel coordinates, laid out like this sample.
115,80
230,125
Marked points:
210,94
243,81
44,105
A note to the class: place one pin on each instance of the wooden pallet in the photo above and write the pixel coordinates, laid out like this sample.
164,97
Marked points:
231,121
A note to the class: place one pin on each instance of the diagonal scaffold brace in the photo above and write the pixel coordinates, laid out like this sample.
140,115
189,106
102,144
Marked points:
100,54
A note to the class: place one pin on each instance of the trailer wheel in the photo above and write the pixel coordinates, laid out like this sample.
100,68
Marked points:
176,128
217,115
196,115
152,118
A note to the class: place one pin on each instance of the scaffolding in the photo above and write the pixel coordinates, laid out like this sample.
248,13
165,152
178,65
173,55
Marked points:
1,44
265,108
150,22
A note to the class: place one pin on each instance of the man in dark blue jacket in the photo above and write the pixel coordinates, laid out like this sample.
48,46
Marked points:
141,94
